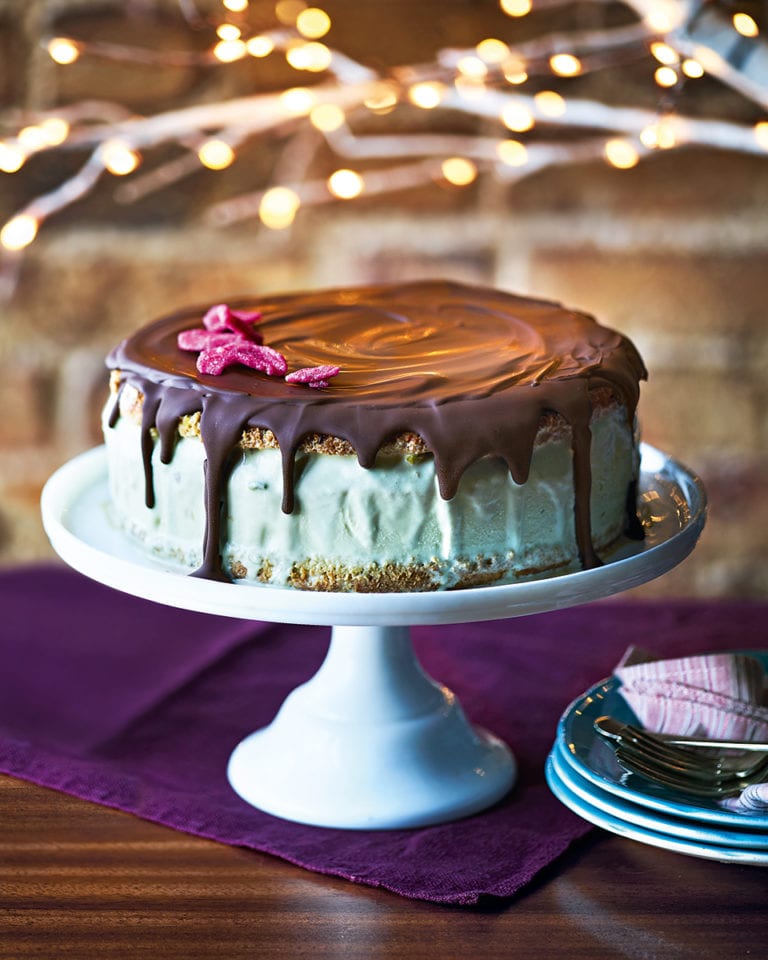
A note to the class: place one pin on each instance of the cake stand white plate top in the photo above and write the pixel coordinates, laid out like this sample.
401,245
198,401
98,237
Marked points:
370,742
75,509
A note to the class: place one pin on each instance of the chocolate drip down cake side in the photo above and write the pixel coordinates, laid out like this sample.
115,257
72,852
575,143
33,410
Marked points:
410,437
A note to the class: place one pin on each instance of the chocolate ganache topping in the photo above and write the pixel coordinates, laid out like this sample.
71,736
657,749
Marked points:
470,370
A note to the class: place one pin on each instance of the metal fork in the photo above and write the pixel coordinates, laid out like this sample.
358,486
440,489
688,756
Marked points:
684,751
696,783
613,728
681,767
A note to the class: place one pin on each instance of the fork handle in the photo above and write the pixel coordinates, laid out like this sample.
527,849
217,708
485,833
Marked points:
616,730
755,746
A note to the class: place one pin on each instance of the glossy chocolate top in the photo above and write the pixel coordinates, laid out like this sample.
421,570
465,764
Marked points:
425,342
470,370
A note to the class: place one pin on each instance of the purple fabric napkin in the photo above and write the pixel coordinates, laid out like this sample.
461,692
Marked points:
137,706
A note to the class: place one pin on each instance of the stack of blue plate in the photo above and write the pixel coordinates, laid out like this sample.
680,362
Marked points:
583,773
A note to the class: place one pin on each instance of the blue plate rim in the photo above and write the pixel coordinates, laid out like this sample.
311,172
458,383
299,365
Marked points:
680,827
631,831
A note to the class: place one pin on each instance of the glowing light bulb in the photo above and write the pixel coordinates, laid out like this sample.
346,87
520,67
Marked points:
459,171
236,6
472,67
345,184
492,50
327,117
514,71
516,8
761,133
63,51
278,207
649,136
662,18
666,76
55,130
745,25
621,154
12,157
19,232
692,69
427,95
298,101
227,51
295,56
228,31
517,117
313,23
48,133
216,154
664,53
383,99
665,137
709,59
32,138
260,46
312,56
119,158
512,153
658,136
565,65
551,104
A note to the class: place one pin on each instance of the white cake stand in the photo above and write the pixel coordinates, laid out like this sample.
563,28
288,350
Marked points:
370,742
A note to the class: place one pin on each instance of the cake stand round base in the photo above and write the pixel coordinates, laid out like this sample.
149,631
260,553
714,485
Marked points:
371,742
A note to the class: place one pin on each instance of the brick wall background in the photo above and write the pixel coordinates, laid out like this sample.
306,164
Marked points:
673,252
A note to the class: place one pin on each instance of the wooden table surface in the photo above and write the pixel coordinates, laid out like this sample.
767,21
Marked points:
81,881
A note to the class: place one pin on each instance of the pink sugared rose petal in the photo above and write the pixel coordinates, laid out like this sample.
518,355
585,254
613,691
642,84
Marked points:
221,318
196,340
217,318
317,377
259,357
216,360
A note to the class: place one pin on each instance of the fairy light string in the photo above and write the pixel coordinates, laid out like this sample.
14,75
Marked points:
521,94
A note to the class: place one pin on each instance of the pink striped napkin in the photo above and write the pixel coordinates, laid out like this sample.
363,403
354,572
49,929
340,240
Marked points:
719,695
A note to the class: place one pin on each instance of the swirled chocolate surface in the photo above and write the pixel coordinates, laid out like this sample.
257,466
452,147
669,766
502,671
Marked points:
470,370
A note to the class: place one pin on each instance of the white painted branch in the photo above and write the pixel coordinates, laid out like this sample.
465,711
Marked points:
315,192
257,114
69,191
591,114
577,42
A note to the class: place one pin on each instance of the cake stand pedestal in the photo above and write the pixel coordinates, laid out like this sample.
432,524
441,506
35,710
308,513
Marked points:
370,742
